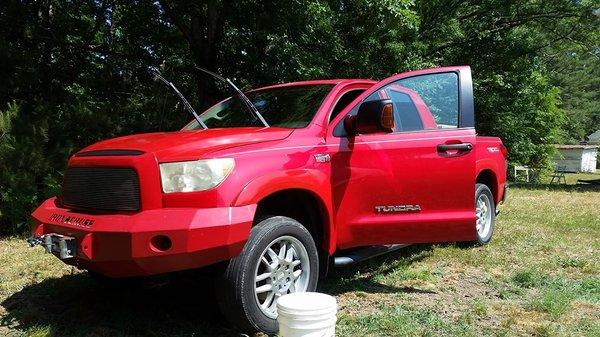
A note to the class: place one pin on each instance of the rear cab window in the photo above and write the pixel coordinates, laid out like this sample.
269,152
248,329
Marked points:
406,114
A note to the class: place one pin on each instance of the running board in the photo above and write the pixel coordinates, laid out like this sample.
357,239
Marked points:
365,253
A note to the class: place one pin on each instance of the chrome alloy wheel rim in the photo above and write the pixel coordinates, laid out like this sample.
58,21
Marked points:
283,268
484,215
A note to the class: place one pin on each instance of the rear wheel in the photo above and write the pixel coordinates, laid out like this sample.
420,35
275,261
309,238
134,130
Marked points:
279,258
485,211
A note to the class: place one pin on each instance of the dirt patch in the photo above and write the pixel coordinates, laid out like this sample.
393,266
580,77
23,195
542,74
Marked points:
451,296
459,290
582,311
364,303
519,320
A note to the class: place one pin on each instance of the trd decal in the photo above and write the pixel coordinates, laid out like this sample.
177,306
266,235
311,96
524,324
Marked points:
397,208
322,158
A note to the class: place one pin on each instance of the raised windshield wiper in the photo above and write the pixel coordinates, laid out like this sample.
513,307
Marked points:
185,102
243,97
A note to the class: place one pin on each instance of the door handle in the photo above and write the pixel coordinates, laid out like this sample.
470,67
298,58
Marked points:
462,147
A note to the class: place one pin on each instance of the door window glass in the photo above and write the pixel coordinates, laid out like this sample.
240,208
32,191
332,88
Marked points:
406,115
440,92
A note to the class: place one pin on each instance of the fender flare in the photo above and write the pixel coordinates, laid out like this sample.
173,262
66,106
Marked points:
309,180
492,166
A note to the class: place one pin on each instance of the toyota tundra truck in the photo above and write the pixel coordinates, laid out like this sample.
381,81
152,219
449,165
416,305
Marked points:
280,183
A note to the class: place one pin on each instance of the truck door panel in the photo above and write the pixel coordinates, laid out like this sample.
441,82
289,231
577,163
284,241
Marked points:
415,184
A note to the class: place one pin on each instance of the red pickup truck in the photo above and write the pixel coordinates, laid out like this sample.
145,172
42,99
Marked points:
333,171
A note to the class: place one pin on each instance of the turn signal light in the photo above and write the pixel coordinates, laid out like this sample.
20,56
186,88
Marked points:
387,117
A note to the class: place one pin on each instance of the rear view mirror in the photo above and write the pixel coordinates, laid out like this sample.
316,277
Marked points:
373,116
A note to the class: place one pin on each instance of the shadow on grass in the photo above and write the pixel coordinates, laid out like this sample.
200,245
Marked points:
362,276
75,305
556,187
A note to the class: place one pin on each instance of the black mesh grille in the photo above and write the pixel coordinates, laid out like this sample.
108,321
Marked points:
101,188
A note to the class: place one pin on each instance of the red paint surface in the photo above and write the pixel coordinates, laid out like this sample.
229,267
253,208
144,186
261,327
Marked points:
365,171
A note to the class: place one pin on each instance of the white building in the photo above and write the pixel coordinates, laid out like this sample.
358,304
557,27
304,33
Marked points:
576,158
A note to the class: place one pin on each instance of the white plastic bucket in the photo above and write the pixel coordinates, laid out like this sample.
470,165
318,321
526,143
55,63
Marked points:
306,315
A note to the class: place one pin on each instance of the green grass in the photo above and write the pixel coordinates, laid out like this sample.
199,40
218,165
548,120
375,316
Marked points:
571,179
540,276
556,297
528,278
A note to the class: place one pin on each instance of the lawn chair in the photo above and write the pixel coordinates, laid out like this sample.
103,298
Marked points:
559,175
521,168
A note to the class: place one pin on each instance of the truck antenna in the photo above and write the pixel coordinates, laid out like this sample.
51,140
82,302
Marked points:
185,102
243,97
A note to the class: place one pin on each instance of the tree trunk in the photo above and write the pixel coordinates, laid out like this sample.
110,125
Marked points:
204,32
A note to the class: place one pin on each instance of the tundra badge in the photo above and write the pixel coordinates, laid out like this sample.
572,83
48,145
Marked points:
397,208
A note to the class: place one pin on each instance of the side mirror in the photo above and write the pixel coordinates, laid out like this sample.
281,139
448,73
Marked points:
373,116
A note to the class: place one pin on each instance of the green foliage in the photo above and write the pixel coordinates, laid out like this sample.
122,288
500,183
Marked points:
576,71
556,298
528,278
405,320
75,72
525,113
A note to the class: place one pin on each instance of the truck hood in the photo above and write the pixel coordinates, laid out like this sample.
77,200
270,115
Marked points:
190,145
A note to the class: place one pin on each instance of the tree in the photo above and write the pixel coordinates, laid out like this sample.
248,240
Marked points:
77,71
576,71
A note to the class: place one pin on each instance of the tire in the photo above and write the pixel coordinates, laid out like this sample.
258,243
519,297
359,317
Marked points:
238,291
485,210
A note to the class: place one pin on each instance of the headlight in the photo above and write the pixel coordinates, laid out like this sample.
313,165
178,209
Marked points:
199,175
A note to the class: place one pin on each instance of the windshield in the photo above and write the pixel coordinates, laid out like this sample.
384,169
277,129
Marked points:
285,107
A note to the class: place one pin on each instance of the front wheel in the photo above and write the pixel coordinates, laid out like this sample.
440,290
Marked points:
279,258
485,211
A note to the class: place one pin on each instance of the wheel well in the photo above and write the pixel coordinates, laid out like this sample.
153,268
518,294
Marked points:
300,205
487,177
